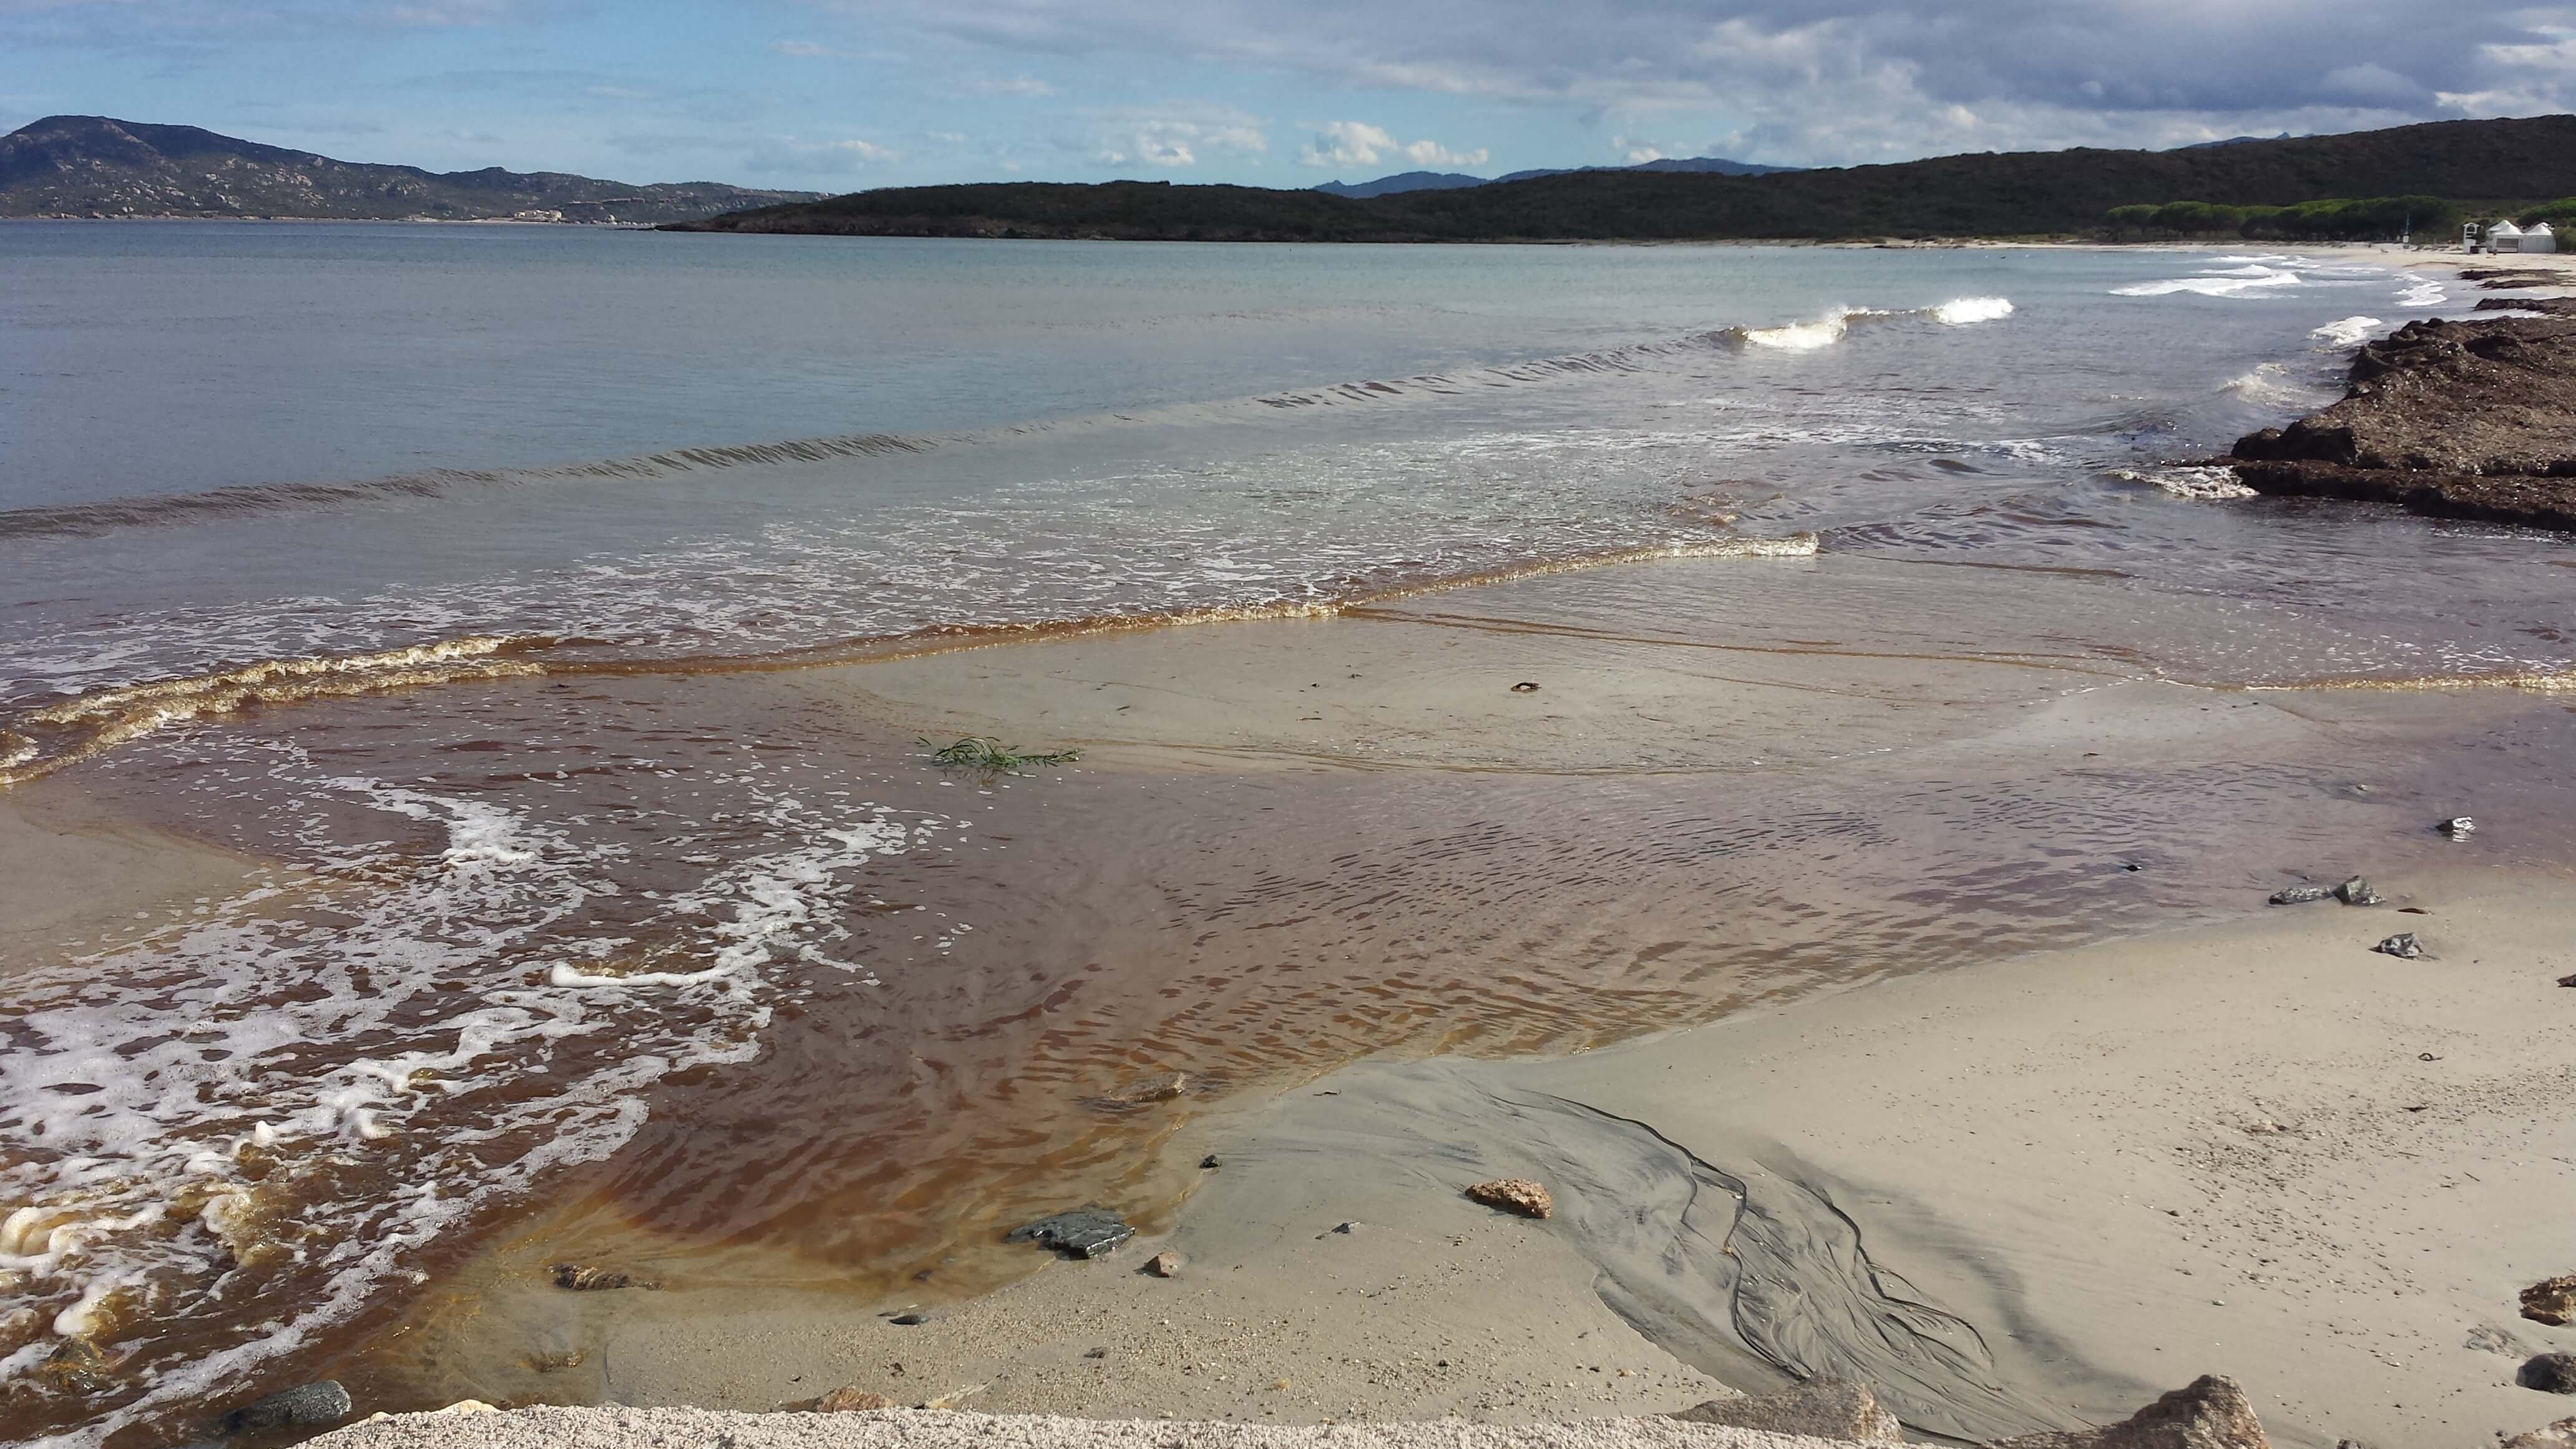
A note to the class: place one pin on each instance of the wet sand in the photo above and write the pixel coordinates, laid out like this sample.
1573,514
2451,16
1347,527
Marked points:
2050,1299
74,877
2219,1150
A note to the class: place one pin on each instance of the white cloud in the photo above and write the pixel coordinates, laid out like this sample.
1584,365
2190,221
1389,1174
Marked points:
1826,81
1019,85
1169,138
791,156
1357,143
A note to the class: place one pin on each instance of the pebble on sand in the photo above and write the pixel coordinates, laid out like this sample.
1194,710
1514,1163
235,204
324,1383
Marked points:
1165,1264
1516,1195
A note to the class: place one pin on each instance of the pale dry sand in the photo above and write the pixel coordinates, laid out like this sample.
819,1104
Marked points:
900,1429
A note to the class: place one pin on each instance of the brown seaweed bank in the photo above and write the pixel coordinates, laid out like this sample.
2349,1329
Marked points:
2470,419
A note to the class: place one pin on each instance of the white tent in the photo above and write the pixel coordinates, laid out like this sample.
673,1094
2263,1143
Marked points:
2504,236
2539,238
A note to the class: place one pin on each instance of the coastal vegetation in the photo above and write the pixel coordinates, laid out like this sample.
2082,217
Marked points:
2376,218
2302,183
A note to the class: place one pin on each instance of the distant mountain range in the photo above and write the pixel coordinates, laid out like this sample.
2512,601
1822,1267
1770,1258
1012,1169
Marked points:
2062,194
1404,181
91,166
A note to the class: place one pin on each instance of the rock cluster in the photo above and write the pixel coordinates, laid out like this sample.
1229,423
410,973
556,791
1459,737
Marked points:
2468,419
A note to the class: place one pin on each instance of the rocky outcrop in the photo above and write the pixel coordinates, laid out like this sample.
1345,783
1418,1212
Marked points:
2473,419
2558,1435
2211,1414
1819,1408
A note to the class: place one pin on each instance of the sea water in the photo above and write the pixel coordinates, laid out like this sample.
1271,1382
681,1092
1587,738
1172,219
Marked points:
431,566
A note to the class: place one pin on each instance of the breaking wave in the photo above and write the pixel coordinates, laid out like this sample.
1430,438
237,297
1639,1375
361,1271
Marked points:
98,720
2347,332
2245,281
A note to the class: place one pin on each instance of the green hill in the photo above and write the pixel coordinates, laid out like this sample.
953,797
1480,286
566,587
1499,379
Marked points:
2032,193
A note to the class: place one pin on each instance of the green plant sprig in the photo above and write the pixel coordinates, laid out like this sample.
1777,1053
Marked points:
991,756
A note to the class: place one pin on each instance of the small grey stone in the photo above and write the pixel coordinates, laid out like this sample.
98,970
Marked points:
2551,1373
2356,892
2458,827
1086,1232
302,1407
2403,946
2299,895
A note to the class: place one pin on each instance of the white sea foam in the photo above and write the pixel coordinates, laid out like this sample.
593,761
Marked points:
128,1116
1824,331
2422,294
1964,311
2274,384
2195,483
2348,331
2237,282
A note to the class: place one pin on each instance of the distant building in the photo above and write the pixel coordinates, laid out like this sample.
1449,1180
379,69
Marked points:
2503,237
2540,238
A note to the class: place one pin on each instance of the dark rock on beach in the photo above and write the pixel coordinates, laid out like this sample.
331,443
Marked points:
2356,892
583,1278
1086,1232
2300,895
2473,419
1819,1408
2404,946
306,1406
2551,1373
2211,1414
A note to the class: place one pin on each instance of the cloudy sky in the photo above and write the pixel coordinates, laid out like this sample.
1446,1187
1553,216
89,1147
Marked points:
842,94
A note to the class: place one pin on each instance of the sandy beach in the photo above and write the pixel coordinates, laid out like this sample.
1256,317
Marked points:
2257,1148
2077,1177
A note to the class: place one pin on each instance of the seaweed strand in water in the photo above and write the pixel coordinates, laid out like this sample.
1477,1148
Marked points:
991,756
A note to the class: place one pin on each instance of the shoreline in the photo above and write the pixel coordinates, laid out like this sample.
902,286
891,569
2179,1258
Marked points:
1297,1300
2240,1202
